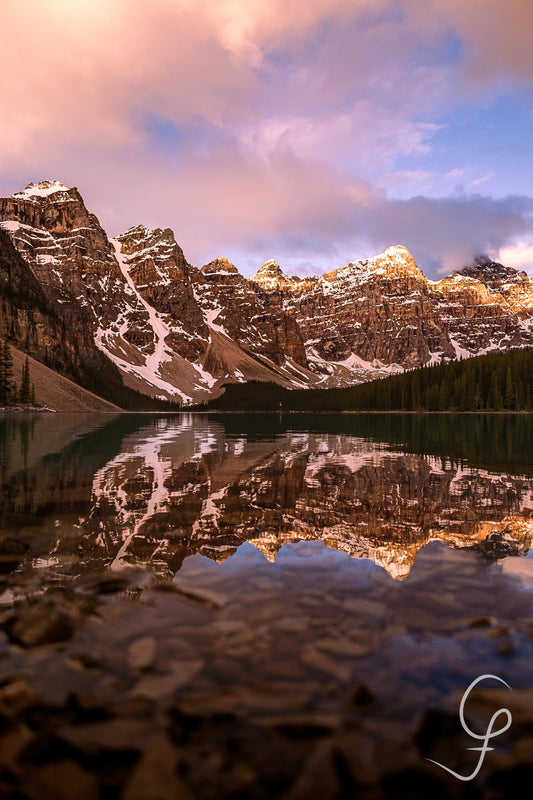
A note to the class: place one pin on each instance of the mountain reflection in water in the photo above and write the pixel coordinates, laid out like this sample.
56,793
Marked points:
260,607
92,491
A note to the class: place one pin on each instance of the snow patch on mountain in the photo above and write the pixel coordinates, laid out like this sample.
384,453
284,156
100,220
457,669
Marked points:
161,331
42,189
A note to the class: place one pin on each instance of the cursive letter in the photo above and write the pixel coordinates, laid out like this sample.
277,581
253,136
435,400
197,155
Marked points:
486,737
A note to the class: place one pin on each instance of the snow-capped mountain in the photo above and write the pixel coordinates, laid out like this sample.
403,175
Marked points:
384,313
180,333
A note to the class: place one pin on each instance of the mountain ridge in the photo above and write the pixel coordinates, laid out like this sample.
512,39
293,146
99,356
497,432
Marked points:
178,332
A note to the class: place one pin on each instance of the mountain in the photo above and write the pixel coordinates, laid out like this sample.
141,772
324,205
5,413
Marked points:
384,313
51,326
176,332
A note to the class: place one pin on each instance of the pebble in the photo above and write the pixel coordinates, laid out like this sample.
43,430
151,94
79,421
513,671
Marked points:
155,777
158,687
15,696
42,623
61,780
142,653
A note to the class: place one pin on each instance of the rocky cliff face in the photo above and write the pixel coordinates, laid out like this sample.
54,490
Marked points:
73,260
49,324
178,332
162,277
67,249
209,325
245,314
384,314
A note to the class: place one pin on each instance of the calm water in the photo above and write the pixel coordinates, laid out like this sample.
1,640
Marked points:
309,557
98,491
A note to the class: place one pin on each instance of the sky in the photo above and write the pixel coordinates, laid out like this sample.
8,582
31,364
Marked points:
314,132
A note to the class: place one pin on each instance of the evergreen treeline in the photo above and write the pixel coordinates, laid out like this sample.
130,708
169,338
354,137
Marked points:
10,393
13,393
493,382
103,378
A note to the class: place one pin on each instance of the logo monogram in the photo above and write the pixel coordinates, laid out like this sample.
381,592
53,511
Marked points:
485,737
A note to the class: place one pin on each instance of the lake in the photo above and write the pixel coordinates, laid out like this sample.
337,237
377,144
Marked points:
259,606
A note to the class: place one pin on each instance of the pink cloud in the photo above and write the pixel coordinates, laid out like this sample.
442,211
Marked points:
84,71
299,102
518,255
88,71
496,34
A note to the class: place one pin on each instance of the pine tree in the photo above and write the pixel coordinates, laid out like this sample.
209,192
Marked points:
509,395
32,398
495,395
25,383
6,375
2,377
477,398
443,396
529,402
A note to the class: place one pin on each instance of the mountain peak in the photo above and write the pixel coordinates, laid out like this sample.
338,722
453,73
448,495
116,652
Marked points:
271,276
219,265
483,260
394,262
491,273
395,256
272,267
483,263
141,233
135,230
397,251
42,189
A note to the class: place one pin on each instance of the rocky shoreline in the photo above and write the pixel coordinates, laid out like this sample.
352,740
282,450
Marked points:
123,684
26,409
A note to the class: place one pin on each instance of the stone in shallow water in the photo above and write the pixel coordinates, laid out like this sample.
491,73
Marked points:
42,623
12,744
369,609
155,777
158,687
319,778
15,696
484,702
363,697
359,756
105,582
202,595
293,624
142,653
259,698
343,646
479,621
61,780
114,734
313,657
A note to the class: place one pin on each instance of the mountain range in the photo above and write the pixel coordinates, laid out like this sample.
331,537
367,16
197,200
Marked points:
130,314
